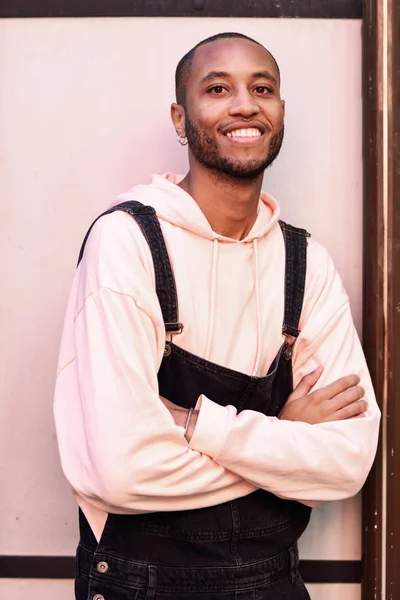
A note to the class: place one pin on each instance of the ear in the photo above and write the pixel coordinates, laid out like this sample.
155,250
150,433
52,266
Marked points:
178,118
283,104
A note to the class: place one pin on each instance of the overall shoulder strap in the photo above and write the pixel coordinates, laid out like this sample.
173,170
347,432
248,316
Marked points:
295,276
146,218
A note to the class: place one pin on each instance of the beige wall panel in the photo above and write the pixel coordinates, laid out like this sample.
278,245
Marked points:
334,592
36,589
341,539
84,114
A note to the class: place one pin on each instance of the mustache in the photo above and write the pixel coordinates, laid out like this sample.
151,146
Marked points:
203,146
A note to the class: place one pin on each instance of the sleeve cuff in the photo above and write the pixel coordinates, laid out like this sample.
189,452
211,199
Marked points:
212,423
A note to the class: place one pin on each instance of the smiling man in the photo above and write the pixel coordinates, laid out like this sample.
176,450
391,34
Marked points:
193,313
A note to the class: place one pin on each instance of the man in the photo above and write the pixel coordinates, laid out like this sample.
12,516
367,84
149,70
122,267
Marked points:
193,463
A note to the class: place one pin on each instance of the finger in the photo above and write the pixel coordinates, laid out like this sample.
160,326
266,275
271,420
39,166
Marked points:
306,384
345,398
336,387
353,410
356,409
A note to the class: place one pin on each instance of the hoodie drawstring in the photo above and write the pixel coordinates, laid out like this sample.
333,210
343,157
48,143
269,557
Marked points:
258,308
213,294
213,286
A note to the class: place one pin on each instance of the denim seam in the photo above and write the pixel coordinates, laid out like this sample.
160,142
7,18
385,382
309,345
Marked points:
219,369
206,536
295,274
264,531
276,558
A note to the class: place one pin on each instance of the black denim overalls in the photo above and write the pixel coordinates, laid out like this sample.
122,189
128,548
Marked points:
240,550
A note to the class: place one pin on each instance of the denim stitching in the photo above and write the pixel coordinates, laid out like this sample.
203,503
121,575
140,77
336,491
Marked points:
146,218
221,370
295,274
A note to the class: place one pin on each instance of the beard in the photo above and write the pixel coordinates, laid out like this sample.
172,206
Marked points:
205,150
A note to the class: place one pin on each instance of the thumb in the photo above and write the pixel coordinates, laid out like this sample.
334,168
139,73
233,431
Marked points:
306,384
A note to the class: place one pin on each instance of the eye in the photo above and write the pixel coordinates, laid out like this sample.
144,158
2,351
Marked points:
216,89
263,89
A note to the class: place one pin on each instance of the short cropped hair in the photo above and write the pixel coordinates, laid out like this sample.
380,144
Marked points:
185,64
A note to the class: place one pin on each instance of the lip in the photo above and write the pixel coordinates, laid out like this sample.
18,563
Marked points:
245,140
245,125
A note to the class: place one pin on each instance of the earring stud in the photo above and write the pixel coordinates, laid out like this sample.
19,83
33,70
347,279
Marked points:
182,139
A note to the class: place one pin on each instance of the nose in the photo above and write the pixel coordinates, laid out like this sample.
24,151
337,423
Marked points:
244,104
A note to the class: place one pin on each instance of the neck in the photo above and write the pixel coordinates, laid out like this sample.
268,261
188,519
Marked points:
229,204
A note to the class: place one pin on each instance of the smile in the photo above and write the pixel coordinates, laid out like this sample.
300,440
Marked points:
244,133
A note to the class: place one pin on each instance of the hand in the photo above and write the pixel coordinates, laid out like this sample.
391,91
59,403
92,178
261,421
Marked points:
180,415
337,401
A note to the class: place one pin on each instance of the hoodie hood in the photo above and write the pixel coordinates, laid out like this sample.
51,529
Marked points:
176,206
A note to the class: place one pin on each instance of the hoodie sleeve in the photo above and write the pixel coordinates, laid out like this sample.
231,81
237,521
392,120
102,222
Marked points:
294,460
120,448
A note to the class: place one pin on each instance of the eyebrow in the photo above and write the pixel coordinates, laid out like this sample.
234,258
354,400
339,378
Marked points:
224,75
265,75
214,75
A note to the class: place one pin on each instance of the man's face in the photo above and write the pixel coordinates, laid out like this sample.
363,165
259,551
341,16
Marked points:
234,113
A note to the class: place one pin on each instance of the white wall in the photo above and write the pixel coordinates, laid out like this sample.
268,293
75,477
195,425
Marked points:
84,114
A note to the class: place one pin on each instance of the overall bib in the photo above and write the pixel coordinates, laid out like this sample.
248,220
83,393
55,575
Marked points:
245,549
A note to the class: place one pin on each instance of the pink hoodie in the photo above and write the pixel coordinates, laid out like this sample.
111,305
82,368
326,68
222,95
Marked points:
120,448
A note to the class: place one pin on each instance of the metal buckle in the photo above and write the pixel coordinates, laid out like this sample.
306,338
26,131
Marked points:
288,353
178,331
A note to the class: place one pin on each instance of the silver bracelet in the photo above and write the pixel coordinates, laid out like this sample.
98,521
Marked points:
188,420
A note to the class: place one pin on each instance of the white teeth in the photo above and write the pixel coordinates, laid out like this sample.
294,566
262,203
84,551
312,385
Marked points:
249,132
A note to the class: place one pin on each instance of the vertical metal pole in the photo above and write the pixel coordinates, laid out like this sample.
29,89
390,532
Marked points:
381,130
393,370
373,317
